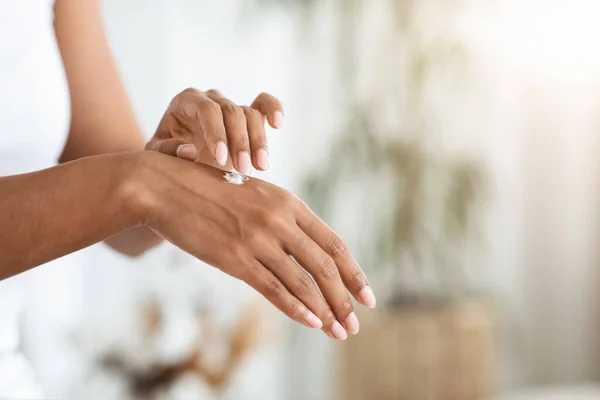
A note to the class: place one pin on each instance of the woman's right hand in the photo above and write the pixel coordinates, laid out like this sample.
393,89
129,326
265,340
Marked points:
251,231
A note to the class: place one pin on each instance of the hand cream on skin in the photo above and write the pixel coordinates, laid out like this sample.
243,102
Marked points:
235,178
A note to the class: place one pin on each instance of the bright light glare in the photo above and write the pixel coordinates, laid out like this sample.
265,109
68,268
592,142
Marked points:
555,38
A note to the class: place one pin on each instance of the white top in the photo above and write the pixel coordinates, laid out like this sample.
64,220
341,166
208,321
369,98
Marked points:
34,122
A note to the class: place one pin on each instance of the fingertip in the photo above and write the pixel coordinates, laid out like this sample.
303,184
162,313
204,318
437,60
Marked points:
277,120
351,323
367,297
221,153
262,159
338,331
244,163
312,320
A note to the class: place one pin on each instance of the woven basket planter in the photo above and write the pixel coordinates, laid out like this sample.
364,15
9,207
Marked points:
419,353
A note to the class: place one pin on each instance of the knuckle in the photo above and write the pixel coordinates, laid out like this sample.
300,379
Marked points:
295,310
189,90
358,279
209,107
345,307
219,133
234,250
336,246
328,318
232,109
165,147
273,287
251,113
247,110
304,285
154,144
239,142
272,221
256,239
287,201
327,268
270,102
258,142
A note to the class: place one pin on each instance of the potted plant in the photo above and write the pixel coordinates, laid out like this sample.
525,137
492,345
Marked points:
431,337
416,208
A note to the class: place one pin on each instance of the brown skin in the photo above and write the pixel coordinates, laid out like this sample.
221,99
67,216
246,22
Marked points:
132,199
103,122
247,231
199,121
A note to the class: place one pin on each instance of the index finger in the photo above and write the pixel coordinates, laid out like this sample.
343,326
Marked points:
203,120
352,275
270,107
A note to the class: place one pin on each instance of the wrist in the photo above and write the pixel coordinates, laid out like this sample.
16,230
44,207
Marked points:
134,191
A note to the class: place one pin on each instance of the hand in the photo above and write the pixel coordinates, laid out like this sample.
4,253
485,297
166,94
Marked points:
249,231
209,128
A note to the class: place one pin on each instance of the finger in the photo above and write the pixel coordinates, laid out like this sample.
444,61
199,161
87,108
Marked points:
352,275
215,94
236,130
325,272
301,285
267,284
187,152
270,107
206,122
258,138
176,147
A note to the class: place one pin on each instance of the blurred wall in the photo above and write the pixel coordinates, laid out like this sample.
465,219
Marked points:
539,67
530,115
161,48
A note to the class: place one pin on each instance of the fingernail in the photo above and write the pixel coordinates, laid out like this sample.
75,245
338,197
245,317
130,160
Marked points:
221,153
244,163
278,119
262,159
312,320
352,324
187,151
367,297
338,331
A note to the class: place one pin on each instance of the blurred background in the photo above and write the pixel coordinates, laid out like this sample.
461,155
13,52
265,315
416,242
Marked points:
452,143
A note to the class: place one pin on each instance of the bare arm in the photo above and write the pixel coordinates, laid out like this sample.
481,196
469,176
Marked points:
248,231
47,214
219,132
102,120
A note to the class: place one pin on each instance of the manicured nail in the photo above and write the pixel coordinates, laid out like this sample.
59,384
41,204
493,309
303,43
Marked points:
312,320
278,120
338,331
262,159
367,297
187,151
221,154
352,324
244,163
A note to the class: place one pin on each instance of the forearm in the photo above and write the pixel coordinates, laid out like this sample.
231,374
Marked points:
47,214
102,120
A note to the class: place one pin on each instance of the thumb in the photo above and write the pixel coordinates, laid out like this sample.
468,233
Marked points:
175,147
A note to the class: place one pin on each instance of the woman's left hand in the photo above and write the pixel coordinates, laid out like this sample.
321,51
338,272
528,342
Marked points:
207,127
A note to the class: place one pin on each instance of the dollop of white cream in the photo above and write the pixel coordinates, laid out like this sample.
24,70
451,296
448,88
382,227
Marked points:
235,178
